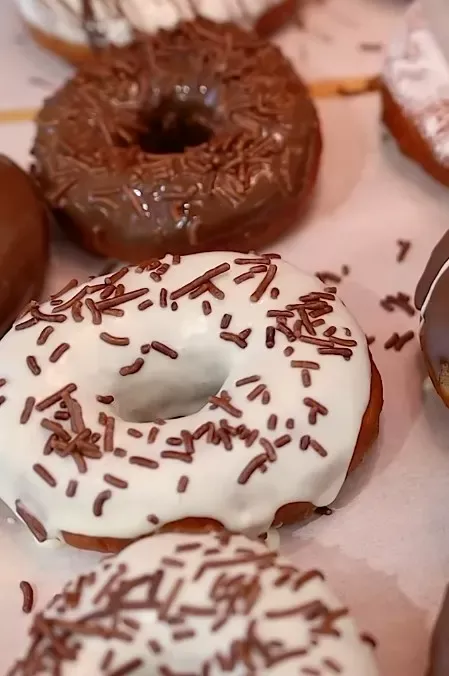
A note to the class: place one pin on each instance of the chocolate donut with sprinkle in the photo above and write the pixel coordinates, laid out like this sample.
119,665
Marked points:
196,139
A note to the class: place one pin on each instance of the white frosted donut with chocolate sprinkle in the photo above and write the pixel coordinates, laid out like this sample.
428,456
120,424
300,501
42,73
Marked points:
182,604
218,386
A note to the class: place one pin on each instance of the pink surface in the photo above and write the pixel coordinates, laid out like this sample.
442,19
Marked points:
386,547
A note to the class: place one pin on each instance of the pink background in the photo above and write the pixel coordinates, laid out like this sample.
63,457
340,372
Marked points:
386,548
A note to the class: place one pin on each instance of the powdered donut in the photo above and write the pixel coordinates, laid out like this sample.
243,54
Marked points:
415,94
198,139
71,28
197,604
216,389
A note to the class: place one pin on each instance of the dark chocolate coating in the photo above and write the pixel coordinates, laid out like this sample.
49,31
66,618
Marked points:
24,221
439,648
194,139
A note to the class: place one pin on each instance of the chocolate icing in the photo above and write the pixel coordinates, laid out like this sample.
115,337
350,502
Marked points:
23,241
194,139
439,649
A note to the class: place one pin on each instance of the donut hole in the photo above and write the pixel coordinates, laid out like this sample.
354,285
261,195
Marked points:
173,393
175,125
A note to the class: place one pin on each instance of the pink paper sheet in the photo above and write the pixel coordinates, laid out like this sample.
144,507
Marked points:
386,547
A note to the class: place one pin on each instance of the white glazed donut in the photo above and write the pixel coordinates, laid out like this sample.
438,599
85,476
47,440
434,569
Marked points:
219,386
63,19
416,74
206,604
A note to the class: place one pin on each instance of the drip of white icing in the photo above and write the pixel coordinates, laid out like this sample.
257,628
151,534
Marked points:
179,387
63,18
202,604
417,75
440,273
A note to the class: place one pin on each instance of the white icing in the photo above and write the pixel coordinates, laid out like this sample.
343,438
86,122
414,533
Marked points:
241,597
273,539
62,18
441,272
417,75
168,387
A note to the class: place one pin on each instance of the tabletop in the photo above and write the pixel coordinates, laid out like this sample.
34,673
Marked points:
385,548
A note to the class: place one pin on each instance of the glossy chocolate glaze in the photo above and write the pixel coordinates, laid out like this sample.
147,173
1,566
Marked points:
439,649
194,139
23,241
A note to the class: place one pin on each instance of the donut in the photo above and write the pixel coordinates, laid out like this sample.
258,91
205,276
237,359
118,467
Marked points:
74,28
413,90
431,299
439,647
197,604
212,390
201,138
24,221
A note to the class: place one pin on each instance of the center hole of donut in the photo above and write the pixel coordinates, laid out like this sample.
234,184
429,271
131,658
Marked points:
171,393
174,126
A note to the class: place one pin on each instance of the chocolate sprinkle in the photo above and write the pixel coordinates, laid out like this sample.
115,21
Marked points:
45,335
115,481
27,410
58,352
404,247
164,349
143,462
132,368
99,502
28,596
182,484
34,525
33,365
71,488
104,399
114,340
251,467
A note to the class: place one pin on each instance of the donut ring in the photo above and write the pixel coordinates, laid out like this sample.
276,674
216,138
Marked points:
197,604
24,225
197,139
414,101
73,29
192,394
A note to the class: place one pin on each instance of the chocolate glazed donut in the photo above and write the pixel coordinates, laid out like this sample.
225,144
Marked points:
195,139
23,241
431,297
